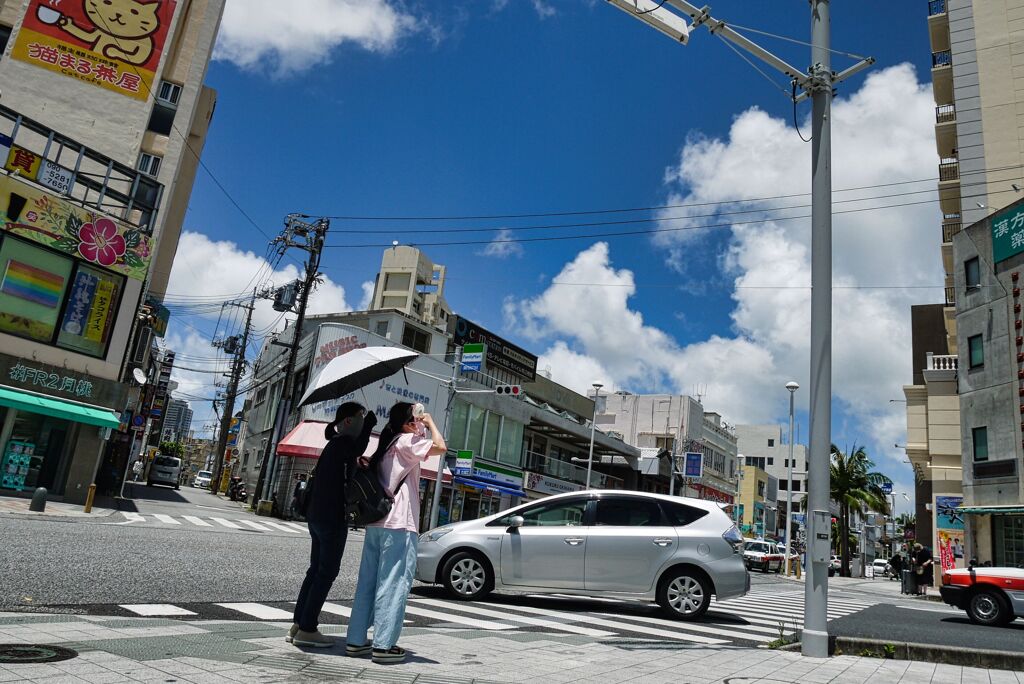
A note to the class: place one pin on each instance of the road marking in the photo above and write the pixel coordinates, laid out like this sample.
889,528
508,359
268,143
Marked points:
702,627
280,527
166,519
134,517
597,622
259,611
300,528
448,617
537,622
344,611
254,525
215,508
156,609
196,521
226,523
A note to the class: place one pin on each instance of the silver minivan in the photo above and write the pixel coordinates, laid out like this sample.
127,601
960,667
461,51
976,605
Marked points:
166,470
674,550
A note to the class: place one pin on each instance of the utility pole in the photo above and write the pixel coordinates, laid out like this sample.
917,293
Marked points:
308,237
435,504
237,369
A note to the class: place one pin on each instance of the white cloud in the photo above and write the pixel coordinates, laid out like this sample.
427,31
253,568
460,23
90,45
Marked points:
502,247
204,269
544,9
289,37
882,134
367,299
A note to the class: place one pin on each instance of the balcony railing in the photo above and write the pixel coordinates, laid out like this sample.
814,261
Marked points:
950,296
942,362
951,229
942,58
545,465
936,7
945,113
949,170
951,216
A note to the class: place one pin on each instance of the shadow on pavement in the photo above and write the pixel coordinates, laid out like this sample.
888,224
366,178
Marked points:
141,492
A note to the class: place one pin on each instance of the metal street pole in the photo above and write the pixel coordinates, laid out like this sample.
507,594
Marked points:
593,426
814,641
792,387
435,504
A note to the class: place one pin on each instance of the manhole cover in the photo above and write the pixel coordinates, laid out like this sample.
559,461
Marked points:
23,654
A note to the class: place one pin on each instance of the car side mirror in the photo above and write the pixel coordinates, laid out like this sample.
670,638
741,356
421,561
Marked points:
515,522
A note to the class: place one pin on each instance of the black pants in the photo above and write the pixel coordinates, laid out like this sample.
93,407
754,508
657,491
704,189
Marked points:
324,564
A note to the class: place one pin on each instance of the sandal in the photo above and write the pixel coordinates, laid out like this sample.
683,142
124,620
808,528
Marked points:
395,654
353,651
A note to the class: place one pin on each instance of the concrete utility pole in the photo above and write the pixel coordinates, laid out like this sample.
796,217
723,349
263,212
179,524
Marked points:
435,503
792,387
237,369
817,83
308,237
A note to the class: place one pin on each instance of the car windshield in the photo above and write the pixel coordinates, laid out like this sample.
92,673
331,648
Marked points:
757,547
204,473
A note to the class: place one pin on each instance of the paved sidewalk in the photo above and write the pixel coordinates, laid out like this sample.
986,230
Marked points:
112,650
10,504
879,586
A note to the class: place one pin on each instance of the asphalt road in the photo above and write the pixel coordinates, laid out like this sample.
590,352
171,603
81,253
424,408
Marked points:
928,623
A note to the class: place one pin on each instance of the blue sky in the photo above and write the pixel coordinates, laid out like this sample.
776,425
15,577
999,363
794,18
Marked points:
523,106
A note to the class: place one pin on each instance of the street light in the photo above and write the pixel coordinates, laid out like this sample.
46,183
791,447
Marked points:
792,387
593,425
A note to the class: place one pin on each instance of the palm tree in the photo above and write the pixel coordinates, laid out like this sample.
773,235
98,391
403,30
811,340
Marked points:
905,521
854,485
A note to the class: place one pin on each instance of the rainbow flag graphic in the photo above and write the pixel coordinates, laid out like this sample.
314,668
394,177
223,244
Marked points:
32,284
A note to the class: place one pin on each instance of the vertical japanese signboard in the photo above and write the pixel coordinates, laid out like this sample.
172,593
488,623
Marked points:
949,531
114,44
1008,233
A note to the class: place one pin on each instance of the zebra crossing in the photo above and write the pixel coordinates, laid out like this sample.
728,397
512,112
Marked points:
209,524
755,619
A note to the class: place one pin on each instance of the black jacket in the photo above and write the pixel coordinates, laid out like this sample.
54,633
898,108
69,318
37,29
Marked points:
327,500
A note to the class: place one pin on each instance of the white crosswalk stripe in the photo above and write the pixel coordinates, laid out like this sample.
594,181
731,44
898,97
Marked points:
506,615
281,527
489,625
258,610
226,523
157,610
196,521
254,525
131,518
166,519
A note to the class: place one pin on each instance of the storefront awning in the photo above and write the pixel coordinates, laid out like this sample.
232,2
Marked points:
993,510
306,440
58,408
479,483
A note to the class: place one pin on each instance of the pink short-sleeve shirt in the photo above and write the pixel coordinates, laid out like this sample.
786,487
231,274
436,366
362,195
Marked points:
403,461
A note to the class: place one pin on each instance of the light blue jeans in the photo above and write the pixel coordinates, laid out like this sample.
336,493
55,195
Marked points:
385,577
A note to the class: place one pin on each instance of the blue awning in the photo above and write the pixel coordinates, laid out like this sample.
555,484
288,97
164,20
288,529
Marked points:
487,485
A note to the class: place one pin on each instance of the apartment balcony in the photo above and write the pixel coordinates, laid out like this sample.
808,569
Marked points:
949,229
945,130
949,185
942,76
563,470
940,368
950,296
949,169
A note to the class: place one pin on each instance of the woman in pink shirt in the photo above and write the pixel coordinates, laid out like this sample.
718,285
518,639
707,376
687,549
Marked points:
389,549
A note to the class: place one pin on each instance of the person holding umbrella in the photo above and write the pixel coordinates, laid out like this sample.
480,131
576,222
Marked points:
389,548
348,436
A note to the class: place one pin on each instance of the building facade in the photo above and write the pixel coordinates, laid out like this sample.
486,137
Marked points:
989,259
763,447
410,282
100,147
177,421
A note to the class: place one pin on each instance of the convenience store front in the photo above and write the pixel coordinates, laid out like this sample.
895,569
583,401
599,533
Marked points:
45,425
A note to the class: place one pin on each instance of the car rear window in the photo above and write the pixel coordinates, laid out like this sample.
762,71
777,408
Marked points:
681,515
167,461
204,473
757,547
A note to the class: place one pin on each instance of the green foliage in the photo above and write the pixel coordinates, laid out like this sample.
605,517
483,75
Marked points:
172,449
854,486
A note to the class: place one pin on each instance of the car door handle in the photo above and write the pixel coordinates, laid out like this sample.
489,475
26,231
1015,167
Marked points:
662,541
574,541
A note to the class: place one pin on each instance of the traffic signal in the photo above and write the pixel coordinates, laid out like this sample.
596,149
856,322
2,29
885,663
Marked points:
509,391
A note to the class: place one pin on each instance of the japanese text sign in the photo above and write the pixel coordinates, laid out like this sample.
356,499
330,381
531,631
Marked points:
114,44
693,465
1008,233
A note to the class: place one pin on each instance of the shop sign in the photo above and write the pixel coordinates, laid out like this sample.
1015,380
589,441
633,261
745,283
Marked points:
949,531
499,352
114,44
693,464
550,485
505,476
473,357
712,494
1008,233
34,376
22,161
55,177
68,228
30,377
463,463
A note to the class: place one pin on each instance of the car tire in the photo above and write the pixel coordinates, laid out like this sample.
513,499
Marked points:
684,594
467,576
764,567
988,607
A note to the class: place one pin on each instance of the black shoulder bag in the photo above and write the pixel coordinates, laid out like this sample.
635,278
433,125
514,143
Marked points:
366,499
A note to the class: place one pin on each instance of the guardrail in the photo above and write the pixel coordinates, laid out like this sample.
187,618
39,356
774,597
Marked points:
945,113
949,170
942,58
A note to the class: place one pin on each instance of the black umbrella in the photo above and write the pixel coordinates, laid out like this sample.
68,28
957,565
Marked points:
354,370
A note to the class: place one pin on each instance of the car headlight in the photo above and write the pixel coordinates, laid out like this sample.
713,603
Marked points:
434,535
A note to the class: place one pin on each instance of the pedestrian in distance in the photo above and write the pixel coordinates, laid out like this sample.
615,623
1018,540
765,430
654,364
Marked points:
923,568
389,547
347,437
896,566
137,469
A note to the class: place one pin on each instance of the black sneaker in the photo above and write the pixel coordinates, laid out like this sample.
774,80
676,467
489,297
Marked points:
353,651
395,654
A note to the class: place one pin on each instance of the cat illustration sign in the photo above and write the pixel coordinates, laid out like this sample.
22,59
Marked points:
114,44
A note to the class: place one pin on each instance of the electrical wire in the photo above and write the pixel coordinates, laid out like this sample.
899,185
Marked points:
794,40
796,125
749,61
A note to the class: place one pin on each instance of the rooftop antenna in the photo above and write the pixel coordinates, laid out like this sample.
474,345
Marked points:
700,391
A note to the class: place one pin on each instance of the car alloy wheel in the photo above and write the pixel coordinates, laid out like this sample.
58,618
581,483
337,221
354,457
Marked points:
467,577
986,608
684,595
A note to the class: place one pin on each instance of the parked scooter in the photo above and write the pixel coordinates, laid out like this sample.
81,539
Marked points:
236,490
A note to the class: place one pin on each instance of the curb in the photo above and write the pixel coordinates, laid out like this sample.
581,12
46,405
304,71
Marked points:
947,655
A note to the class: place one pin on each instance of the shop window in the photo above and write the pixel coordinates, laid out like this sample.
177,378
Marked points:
416,339
475,432
33,283
976,351
35,454
979,440
511,447
457,433
492,428
91,309
628,513
972,273
149,164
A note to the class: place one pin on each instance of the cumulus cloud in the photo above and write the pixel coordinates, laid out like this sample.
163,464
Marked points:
502,247
204,268
883,261
367,298
544,9
289,37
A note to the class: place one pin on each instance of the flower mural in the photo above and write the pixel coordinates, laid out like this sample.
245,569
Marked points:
100,242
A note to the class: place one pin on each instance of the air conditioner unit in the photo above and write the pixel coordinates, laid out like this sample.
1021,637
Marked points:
143,342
